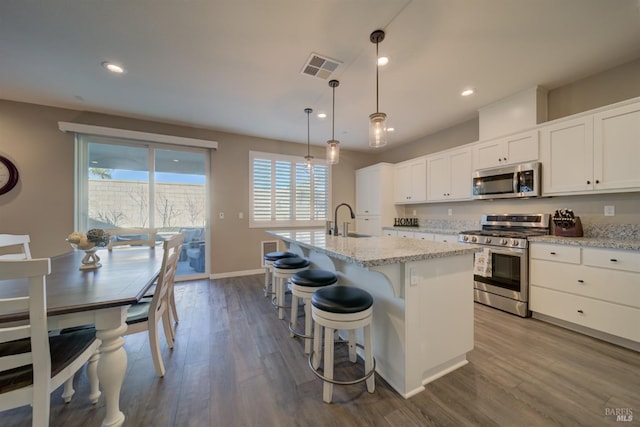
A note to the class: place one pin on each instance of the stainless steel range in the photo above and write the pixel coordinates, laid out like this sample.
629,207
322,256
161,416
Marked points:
505,282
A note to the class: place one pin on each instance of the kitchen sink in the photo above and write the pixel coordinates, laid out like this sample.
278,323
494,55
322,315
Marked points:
357,235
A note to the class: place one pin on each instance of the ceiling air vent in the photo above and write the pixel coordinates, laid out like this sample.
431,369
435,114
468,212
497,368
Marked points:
320,66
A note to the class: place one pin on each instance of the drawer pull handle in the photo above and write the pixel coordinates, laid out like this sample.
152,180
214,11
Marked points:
552,253
613,260
580,281
580,311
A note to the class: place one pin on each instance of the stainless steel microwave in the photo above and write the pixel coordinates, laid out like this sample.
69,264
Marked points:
521,180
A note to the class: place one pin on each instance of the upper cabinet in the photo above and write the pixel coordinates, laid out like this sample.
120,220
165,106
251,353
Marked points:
518,148
592,153
410,181
449,175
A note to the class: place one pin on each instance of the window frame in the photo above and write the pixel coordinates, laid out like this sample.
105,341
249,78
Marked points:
295,162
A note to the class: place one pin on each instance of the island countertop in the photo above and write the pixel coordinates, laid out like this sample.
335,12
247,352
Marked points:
372,251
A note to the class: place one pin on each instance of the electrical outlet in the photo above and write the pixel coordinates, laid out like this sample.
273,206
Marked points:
240,215
221,215
609,210
414,212
450,212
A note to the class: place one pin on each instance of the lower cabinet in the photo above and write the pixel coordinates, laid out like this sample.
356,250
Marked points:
591,287
369,224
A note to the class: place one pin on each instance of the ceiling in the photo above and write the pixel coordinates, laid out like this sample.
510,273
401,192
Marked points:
235,65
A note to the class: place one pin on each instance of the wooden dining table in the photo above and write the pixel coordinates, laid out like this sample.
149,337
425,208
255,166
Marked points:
99,296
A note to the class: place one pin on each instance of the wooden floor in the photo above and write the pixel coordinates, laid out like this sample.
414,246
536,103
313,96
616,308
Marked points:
235,365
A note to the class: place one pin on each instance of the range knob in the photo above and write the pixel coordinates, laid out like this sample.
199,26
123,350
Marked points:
474,239
503,241
488,240
514,243
465,238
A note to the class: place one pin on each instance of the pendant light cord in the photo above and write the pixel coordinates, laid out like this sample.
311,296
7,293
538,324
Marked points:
377,67
308,137
333,114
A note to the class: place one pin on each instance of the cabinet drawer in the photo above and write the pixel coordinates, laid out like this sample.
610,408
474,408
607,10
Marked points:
621,287
419,235
599,315
612,258
408,234
561,253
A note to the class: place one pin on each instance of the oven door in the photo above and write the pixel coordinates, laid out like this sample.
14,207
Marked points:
509,274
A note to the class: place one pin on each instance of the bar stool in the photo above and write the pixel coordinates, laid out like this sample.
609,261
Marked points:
341,308
269,259
303,285
283,270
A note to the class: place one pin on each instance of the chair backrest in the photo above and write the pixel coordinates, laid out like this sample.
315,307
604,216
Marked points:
167,275
132,237
39,357
20,240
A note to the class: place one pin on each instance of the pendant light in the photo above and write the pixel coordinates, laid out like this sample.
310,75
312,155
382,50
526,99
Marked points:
333,146
377,120
308,157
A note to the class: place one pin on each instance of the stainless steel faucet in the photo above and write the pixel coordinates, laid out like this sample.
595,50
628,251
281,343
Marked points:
335,217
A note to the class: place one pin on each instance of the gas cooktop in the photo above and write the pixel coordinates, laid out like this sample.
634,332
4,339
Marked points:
509,230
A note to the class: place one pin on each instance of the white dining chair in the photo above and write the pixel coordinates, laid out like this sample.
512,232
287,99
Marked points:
33,364
21,244
147,314
132,237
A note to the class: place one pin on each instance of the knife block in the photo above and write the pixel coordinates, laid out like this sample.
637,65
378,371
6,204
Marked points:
574,229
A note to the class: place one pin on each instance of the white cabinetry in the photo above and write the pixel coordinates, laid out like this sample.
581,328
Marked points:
518,148
410,181
449,176
374,198
593,288
446,238
593,153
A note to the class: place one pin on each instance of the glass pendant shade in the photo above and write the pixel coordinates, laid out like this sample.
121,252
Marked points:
333,152
377,130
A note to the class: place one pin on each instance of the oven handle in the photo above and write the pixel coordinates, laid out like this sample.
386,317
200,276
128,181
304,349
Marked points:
516,177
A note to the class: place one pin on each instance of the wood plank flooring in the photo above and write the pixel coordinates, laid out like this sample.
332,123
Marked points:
234,365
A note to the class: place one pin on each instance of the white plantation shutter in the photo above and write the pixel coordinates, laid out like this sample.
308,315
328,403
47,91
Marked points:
283,193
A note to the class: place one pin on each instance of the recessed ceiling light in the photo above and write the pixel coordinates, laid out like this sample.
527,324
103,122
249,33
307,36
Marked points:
176,160
322,115
116,69
383,60
94,162
390,129
467,92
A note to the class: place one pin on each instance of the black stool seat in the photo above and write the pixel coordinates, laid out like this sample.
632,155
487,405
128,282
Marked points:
291,263
342,299
274,256
314,278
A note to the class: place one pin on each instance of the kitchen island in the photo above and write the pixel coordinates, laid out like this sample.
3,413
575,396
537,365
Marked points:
423,293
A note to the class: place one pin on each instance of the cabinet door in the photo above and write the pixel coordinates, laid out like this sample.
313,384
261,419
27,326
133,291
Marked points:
460,175
369,225
438,180
418,177
402,183
368,192
617,148
566,150
489,154
410,181
522,147
445,238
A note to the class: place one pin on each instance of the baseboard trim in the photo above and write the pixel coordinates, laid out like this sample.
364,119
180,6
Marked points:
236,273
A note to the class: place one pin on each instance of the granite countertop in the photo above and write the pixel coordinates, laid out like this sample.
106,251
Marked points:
372,251
594,242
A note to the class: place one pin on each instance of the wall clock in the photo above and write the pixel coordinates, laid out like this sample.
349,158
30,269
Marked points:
8,175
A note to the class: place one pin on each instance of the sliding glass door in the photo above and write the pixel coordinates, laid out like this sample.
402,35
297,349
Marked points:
126,184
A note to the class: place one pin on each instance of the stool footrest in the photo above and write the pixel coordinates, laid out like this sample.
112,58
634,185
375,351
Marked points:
334,381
